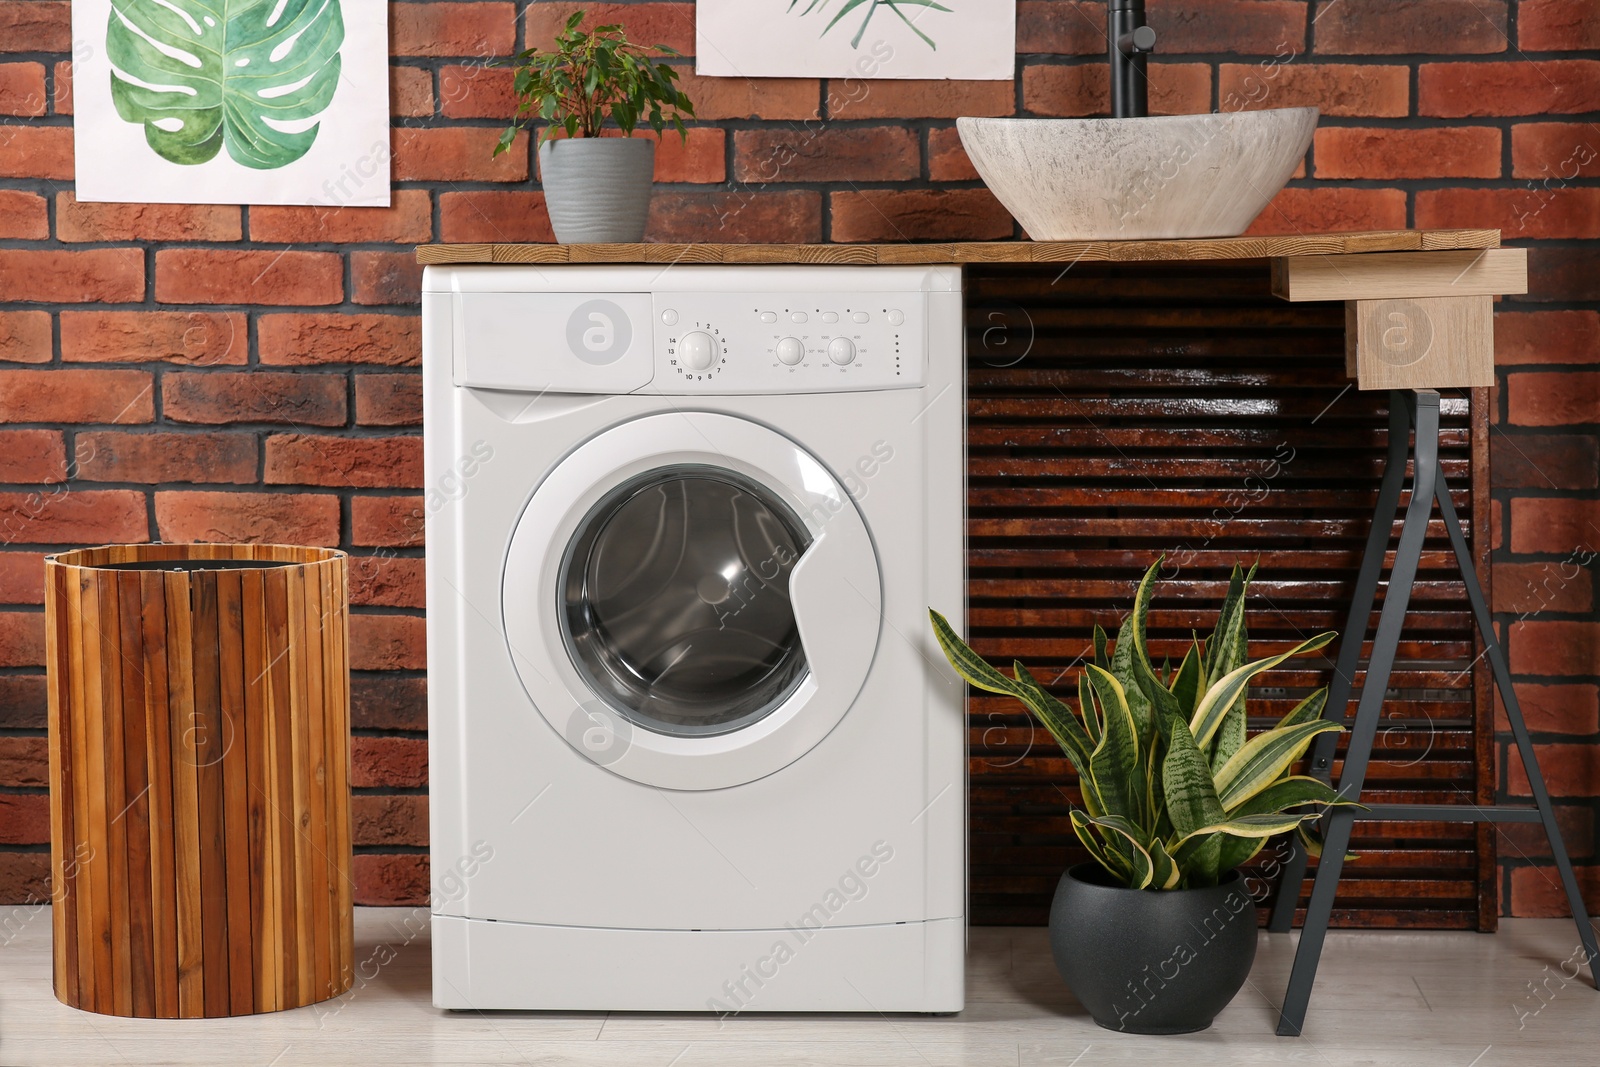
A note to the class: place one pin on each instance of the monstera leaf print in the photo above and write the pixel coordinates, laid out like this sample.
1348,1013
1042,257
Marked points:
201,75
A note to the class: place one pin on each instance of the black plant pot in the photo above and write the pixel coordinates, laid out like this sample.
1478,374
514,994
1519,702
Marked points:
1150,962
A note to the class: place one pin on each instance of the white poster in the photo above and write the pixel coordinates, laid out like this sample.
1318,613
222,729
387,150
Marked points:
232,101
958,39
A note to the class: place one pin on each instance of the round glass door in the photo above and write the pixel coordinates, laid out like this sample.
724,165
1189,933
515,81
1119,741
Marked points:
675,602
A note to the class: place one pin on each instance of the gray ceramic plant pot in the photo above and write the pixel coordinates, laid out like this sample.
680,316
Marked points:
597,189
1150,962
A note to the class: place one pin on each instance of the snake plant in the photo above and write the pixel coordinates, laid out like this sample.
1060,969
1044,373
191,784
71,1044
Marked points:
1175,794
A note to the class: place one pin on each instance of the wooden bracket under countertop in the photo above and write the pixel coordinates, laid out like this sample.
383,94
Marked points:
1413,320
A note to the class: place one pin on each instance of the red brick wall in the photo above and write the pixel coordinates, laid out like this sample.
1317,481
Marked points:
218,372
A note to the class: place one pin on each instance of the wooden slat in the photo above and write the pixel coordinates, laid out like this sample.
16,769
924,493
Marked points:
1056,252
97,817
65,828
235,805
136,787
315,828
117,797
258,810
299,796
281,734
199,760
337,732
185,795
210,742
158,726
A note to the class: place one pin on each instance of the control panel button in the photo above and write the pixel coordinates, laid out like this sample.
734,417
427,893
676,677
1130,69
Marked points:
769,316
791,351
697,350
896,316
842,350
861,316
670,317
830,316
798,316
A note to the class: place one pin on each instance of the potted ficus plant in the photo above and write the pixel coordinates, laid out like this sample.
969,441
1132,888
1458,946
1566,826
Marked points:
1157,933
597,188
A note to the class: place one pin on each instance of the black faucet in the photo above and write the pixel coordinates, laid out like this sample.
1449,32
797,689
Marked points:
1129,42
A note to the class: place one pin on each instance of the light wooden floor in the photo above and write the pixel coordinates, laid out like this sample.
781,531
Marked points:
1434,999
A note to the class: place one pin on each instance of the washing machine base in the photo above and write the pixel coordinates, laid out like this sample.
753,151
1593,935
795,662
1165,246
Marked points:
488,965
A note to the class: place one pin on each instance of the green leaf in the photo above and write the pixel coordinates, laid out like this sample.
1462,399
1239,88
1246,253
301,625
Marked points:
1264,758
1163,705
1308,710
1057,718
1164,870
1091,718
1200,858
849,6
894,5
1189,684
1101,660
204,75
1287,793
1313,843
968,663
1228,651
1143,871
1114,763
1237,851
1246,826
1122,668
1113,861
1231,686
1191,798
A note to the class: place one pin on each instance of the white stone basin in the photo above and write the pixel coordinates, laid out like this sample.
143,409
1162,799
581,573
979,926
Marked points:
1124,179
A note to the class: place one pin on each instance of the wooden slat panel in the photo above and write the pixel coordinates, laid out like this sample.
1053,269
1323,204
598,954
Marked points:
1148,418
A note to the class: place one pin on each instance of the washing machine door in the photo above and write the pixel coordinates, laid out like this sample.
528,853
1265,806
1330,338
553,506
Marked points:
692,600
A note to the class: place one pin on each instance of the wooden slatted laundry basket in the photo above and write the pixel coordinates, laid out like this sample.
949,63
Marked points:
199,778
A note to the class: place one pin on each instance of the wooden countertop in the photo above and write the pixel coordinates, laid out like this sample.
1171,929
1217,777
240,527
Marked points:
970,251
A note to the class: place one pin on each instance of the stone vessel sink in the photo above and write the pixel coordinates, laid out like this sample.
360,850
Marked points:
1168,176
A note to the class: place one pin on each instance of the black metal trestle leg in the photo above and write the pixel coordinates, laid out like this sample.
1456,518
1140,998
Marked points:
1421,411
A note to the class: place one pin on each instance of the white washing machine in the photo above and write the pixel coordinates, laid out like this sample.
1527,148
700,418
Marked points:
692,746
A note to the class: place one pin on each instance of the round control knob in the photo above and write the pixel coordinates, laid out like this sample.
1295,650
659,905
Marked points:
697,350
791,351
842,350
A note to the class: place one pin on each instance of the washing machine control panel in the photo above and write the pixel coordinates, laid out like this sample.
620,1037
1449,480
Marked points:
787,342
